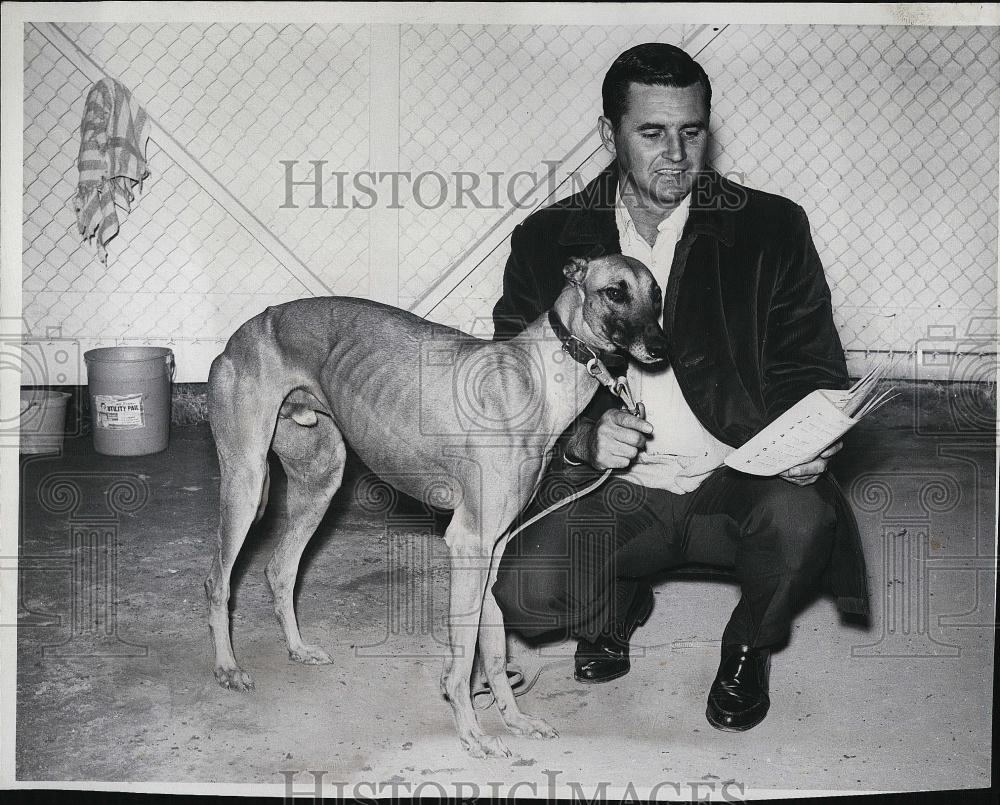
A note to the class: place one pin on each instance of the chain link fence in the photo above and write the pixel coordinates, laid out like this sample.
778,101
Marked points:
489,98
235,100
887,136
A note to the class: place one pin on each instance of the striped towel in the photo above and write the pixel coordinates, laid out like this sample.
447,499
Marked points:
112,160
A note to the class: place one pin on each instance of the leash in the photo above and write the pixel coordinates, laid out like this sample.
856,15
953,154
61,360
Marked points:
620,388
482,695
596,362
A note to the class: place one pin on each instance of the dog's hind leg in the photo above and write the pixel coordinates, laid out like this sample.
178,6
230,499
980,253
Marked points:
242,423
313,456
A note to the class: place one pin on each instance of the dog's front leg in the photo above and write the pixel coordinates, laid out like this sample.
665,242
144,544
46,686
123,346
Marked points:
469,575
493,653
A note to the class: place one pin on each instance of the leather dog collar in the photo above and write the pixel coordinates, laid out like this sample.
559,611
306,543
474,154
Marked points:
580,352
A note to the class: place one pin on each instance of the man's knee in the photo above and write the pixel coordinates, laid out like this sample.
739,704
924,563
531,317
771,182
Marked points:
528,595
505,588
799,522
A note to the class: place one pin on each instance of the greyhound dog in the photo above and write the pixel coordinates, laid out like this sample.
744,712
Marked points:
418,402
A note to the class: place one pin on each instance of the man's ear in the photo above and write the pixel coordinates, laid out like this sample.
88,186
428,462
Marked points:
576,270
607,132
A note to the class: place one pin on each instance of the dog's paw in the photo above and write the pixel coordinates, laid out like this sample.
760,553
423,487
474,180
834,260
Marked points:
234,679
530,727
481,745
310,655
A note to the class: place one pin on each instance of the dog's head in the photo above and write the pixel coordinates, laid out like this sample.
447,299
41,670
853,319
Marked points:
619,307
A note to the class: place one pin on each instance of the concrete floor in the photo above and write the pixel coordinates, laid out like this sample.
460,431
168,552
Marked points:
115,677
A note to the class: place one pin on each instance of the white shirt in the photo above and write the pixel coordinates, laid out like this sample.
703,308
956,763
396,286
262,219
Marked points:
681,453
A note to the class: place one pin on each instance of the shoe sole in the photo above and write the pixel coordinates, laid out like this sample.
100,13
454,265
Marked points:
729,728
603,679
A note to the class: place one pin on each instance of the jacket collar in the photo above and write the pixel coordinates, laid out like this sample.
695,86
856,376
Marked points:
591,216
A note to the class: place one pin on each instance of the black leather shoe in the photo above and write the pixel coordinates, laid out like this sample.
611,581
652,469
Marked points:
607,658
738,699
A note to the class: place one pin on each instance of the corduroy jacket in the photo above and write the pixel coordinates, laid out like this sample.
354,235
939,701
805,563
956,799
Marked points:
747,316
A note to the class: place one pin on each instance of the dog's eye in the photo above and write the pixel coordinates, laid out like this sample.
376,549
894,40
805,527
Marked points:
616,295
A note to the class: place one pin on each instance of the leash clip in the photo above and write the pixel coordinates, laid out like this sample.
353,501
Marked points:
597,370
618,386
624,392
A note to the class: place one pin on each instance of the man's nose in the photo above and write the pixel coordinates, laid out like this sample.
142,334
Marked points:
673,148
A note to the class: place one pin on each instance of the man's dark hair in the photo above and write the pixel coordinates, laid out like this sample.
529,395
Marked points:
653,64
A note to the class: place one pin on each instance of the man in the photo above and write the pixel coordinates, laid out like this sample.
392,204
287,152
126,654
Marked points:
747,314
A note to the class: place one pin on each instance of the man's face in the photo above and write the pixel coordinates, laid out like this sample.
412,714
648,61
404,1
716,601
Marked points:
661,143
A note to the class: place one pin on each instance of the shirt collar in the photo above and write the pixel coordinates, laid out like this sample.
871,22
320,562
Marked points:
674,222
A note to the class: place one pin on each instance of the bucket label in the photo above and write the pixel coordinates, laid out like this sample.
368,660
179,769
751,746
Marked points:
119,412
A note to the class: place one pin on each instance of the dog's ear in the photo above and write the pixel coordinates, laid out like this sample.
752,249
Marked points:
576,270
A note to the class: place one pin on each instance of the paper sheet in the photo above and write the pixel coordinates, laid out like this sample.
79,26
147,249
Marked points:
798,435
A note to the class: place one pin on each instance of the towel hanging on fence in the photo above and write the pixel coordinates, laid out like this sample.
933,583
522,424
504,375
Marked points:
112,160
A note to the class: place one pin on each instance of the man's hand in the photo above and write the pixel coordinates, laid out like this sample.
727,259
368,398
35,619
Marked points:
612,442
805,474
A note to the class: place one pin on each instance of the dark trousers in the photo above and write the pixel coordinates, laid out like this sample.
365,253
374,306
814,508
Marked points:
573,573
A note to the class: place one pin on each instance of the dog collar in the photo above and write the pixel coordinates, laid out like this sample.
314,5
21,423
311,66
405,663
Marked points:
580,352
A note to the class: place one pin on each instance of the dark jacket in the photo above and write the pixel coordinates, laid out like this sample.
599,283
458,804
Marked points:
747,316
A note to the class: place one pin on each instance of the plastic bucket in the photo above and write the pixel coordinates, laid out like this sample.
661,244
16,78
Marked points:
42,420
130,399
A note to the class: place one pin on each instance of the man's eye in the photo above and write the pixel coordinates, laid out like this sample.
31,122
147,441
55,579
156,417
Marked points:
650,135
692,134
615,295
